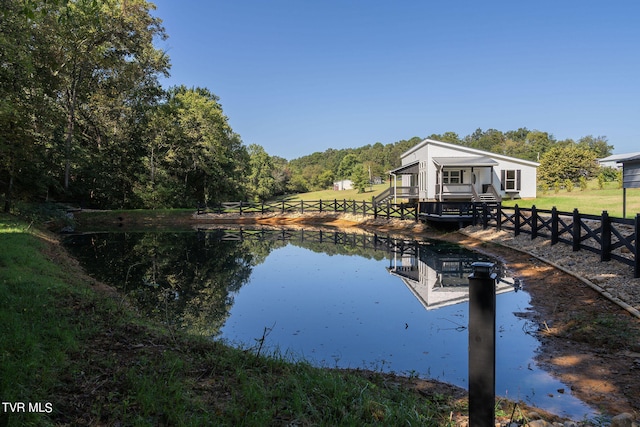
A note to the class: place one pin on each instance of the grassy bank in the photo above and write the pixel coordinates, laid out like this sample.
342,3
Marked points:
75,348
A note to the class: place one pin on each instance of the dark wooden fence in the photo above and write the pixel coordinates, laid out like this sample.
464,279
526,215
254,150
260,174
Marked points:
384,210
609,237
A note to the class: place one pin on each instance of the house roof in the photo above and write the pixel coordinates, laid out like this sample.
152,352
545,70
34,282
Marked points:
630,158
406,169
618,157
465,161
469,151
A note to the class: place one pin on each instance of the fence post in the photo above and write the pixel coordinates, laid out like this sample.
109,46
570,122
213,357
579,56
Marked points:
499,217
482,345
240,208
516,225
354,206
485,216
534,222
335,205
388,211
262,208
577,228
282,207
636,261
301,206
554,226
605,237
375,211
320,205
417,211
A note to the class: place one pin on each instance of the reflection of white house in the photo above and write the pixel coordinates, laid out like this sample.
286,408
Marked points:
345,184
439,280
435,170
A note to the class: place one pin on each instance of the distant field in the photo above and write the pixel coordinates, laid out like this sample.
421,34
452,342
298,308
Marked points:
590,201
339,195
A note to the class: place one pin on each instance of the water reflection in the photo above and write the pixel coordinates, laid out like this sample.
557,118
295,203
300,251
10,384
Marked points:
328,297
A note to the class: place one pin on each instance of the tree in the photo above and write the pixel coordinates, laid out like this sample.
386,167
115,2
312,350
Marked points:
195,156
260,182
599,144
360,178
347,166
567,163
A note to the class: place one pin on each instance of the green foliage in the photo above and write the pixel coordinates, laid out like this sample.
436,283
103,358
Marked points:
568,185
609,174
360,178
583,183
567,163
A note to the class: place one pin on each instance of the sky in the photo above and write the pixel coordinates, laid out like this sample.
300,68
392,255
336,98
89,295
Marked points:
299,77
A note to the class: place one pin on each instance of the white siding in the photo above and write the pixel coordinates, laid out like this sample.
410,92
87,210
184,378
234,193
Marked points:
428,149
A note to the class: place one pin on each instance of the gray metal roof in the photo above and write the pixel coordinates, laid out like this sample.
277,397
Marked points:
465,161
406,169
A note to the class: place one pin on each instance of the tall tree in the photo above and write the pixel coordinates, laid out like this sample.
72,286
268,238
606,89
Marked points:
260,182
195,157
104,51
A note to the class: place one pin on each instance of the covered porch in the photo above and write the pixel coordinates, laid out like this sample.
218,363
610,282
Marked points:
465,179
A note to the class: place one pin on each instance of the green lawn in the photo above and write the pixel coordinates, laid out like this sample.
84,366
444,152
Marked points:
339,195
590,201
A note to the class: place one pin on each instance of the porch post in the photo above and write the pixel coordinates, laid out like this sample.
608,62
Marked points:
395,188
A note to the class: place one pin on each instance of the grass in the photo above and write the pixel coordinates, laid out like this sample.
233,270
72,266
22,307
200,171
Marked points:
590,201
96,362
339,195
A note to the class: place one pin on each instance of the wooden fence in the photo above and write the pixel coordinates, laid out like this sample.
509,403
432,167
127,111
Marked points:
384,210
609,237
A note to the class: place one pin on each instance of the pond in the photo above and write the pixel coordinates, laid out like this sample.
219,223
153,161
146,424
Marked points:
332,298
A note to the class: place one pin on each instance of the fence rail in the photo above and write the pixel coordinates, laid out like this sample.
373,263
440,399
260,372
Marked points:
383,210
609,237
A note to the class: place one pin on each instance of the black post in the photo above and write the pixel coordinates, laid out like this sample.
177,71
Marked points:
320,205
534,222
516,220
499,217
577,228
636,261
554,226
485,216
605,238
482,345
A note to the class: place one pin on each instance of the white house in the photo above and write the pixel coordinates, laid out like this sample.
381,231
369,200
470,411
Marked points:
435,170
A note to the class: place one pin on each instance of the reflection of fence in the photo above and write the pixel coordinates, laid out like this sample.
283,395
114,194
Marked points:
609,237
365,241
383,210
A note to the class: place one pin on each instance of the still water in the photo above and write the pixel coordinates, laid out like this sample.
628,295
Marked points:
331,298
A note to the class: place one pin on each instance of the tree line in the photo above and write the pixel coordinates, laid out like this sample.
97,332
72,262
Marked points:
84,119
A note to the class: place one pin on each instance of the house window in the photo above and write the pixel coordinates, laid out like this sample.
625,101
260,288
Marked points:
511,179
451,177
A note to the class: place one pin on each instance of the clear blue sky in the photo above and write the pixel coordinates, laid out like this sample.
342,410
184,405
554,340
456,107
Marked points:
298,76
